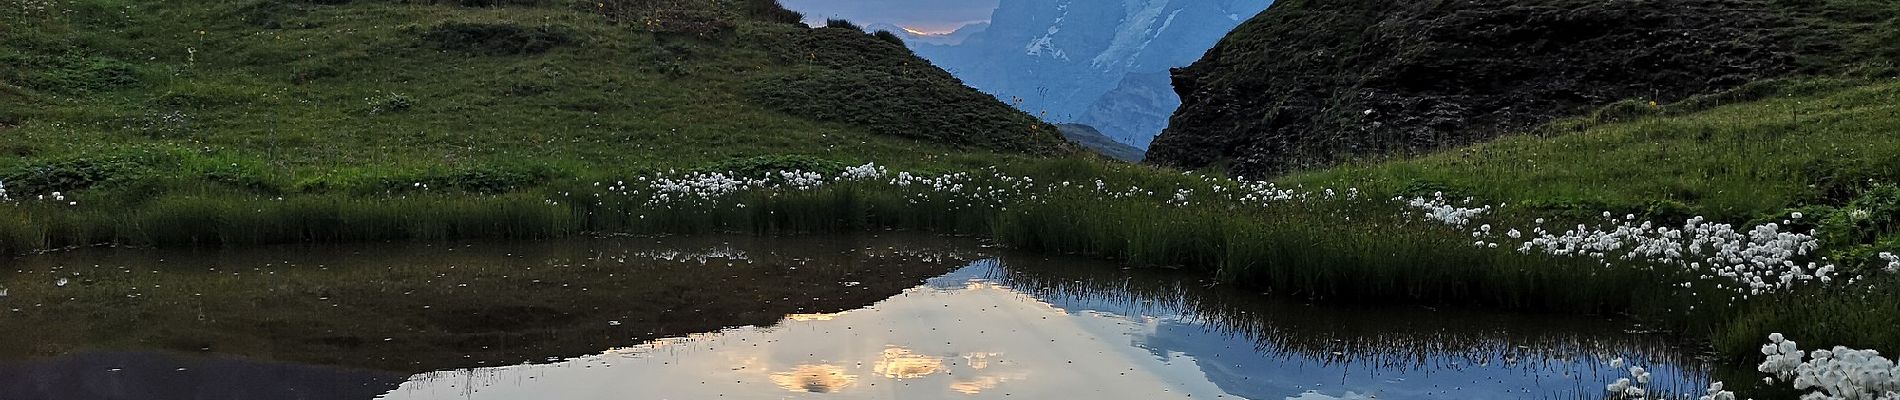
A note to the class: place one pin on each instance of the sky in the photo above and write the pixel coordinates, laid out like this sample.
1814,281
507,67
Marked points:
922,15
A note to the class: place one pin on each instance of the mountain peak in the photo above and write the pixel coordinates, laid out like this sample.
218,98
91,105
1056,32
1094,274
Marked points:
1059,58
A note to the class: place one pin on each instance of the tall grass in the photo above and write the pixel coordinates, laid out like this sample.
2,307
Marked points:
223,220
1336,253
1808,143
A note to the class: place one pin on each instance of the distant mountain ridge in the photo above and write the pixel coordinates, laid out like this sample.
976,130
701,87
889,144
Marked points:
1092,139
941,39
1063,60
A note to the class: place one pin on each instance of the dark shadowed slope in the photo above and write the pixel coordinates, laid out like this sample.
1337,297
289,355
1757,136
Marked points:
1313,82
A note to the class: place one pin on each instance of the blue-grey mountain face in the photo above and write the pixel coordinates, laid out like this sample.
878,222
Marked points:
1064,60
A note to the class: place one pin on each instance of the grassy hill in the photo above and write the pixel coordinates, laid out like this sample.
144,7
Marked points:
297,96
1825,148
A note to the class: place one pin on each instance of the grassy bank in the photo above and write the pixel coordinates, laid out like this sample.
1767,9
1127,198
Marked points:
1822,147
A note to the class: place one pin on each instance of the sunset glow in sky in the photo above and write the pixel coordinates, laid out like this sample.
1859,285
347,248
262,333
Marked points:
921,16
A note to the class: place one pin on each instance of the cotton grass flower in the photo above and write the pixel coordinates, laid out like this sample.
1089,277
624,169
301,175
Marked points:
1838,374
1750,261
1716,392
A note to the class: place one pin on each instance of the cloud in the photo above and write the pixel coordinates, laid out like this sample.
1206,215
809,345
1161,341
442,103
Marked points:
925,15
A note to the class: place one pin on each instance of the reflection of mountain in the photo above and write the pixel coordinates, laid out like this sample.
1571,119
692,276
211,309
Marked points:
1060,58
1258,348
104,376
967,339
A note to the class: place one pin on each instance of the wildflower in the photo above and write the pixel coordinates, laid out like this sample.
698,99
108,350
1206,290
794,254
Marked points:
1716,393
1839,373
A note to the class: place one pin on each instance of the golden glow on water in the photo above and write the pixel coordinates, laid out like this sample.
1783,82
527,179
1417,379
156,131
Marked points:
815,378
901,363
979,384
813,317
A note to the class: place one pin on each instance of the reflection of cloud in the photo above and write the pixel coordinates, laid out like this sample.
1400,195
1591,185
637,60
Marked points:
978,360
986,382
1316,395
821,378
975,386
813,317
901,363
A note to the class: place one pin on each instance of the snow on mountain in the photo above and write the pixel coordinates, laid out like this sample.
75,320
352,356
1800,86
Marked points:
1063,60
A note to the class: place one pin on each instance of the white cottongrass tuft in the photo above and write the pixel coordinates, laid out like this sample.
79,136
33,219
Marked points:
1749,260
1838,374
1717,393
1632,387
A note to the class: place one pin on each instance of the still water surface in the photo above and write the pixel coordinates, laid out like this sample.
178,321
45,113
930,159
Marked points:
862,317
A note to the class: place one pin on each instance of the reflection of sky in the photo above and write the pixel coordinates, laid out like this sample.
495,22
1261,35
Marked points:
959,336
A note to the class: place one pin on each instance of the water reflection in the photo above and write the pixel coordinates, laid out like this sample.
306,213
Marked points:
819,378
1054,329
1256,347
898,317
410,308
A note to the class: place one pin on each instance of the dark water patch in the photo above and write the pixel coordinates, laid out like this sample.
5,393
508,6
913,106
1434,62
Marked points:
150,375
412,308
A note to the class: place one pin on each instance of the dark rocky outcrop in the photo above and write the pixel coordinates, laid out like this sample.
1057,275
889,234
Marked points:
1312,82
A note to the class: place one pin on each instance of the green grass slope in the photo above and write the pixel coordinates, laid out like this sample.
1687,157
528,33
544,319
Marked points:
292,96
1827,149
